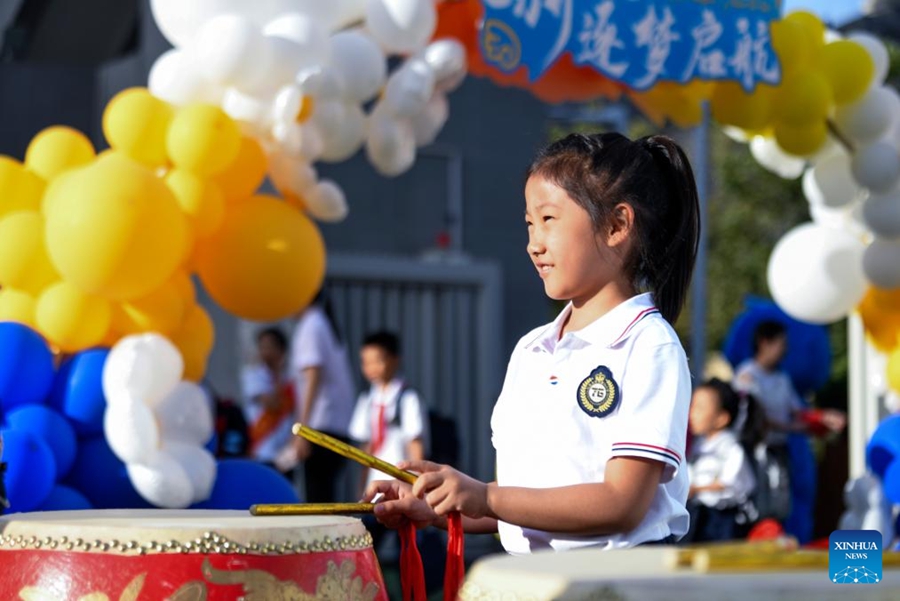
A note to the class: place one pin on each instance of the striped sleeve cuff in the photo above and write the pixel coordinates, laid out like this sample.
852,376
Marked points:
648,451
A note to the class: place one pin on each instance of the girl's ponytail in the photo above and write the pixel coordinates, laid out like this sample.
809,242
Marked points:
668,259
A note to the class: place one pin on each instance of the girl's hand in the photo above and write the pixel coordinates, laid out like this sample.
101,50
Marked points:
447,490
398,505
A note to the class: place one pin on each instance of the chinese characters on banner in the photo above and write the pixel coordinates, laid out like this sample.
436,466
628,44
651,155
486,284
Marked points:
637,42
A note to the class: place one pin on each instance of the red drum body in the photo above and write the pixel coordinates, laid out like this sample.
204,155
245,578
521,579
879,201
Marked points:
191,555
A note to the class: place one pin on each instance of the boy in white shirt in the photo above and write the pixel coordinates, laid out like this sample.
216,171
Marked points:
388,418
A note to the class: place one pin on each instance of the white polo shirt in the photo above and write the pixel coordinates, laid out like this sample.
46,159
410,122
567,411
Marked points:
721,458
620,387
398,432
314,345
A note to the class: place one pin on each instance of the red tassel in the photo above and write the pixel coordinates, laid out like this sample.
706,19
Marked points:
455,570
412,573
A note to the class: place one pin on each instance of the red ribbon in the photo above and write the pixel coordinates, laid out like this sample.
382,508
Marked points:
455,570
412,573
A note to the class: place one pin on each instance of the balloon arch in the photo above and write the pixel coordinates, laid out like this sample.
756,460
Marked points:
98,249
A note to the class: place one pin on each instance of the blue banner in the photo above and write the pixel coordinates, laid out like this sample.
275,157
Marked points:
637,42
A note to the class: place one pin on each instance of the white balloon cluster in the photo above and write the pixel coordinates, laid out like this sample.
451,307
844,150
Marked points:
299,75
867,507
819,271
156,423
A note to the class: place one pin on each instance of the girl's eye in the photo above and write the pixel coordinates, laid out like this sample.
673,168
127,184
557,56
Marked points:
548,218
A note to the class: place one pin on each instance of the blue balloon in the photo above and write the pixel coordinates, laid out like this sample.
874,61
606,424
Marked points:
808,358
241,483
77,391
101,477
63,498
52,428
26,366
891,481
884,446
30,470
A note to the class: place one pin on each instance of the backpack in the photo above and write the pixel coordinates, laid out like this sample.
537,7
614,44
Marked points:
232,433
444,437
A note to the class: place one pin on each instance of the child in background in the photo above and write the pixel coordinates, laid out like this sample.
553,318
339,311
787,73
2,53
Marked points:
590,425
269,398
722,479
389,419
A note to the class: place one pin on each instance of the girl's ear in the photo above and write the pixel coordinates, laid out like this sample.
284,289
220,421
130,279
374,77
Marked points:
721,421
620,224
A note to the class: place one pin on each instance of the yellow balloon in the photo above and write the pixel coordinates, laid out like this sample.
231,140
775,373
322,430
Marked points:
58,149
160,311
849,69
20,189
24,262
200,199
731,105
202,138
18,306
793,44
880,312
116,230
801,140
243,176
803,100
265,263
182,281
195,340
71,319
893,370
136,122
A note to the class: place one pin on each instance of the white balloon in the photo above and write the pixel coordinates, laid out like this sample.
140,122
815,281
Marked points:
409,88
162,481
814,273
143,367
876,166
447,58
390,144
198,464
185,415
427,124
333,14
230,50
179,20
401,26
830,182
847,218
326,202
299,43
321,82
287,104
255,111
299,139
881,263
343,128
174,79
131,430
877,51
291,174
359,63
881,213
871,117
769,155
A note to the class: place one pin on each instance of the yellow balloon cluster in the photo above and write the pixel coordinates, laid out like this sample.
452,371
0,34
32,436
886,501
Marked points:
880,312
816,77
97,247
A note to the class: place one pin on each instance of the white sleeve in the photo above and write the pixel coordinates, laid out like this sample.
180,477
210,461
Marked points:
308,347
360,424
736,475
653,411
412,413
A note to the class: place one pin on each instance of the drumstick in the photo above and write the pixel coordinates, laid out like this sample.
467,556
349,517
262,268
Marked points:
351,452
312,509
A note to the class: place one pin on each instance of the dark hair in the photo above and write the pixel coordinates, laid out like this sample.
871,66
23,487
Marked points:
276,334
767,330
744,413
654,177
387,341
324,302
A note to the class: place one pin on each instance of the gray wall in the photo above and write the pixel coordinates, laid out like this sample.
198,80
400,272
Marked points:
496,130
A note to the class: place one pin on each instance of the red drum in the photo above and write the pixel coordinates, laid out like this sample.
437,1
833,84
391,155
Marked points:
185,555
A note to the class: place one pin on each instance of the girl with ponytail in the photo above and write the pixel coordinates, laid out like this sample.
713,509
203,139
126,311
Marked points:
591,424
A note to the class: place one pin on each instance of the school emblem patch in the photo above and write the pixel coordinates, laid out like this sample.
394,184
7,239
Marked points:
598,394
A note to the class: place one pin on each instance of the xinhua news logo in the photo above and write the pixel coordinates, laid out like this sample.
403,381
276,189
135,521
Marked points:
854,556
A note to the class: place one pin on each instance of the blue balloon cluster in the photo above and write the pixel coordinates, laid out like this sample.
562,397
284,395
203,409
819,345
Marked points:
883,456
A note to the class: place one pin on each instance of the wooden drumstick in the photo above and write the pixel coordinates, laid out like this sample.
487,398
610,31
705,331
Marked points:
351,452
312,509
